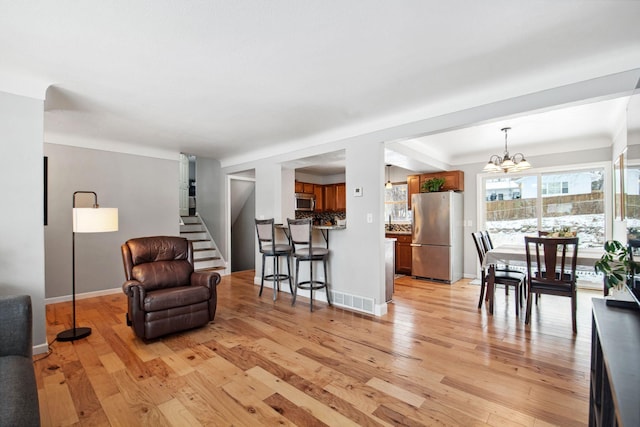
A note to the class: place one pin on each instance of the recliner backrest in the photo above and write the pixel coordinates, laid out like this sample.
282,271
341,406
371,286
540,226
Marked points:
158,262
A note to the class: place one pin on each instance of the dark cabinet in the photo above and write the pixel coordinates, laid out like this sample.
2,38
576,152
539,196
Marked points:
453,180
615,383
304,187
341,197
319,193
413,187
403,252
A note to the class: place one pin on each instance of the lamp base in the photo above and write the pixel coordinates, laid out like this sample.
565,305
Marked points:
74,334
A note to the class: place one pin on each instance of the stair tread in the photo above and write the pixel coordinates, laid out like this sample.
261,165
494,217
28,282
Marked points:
213,258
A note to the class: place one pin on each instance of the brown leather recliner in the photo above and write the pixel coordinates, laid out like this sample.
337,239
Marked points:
164,292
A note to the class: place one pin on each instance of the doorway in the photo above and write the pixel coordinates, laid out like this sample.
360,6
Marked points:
242,208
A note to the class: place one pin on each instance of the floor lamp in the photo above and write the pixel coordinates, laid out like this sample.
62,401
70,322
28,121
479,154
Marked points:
86,220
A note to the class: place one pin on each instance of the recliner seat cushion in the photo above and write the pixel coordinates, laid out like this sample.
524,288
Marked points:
175,297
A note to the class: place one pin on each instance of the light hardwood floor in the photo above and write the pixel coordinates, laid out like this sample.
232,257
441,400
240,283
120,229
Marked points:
434,359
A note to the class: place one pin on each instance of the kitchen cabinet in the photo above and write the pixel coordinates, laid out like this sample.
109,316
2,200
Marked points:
319,193
329,197
304,187
335,197
413,187
453,180
341,197
403,252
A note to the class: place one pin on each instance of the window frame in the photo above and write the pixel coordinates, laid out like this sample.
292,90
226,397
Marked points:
406,201
538,172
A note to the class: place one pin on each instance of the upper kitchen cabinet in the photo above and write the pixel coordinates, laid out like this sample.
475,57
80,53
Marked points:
329,197
304,187
335,197
341,197
319,193
453,181
413,187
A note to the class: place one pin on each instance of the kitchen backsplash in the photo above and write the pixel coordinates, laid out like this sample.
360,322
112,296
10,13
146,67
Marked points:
321,217
403,228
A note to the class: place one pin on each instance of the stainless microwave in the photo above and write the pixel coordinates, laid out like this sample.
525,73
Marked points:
305,202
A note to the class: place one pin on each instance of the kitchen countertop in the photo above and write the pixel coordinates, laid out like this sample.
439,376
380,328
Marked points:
406,233
318,227
329,227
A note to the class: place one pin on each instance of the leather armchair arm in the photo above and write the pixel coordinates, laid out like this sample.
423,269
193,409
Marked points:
205,278
126,287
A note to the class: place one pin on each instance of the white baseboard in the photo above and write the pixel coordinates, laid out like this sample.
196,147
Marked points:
66,298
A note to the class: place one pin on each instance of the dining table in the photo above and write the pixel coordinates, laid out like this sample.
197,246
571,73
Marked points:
516,255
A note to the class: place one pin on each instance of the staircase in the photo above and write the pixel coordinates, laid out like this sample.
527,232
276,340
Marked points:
206,256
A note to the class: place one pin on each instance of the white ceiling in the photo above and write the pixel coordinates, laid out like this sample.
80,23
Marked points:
236,80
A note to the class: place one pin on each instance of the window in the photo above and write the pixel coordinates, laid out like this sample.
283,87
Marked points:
519,205
395,204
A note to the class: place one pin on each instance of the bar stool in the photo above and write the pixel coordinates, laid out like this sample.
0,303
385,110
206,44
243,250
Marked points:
303,250
265,229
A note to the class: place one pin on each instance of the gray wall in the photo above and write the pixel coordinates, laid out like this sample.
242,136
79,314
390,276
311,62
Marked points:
21,219
243,236
210,199
145,191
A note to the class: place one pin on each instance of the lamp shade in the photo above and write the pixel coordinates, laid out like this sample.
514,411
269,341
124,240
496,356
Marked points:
95,220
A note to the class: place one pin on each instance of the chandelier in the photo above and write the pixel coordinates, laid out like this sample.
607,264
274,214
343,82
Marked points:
506,163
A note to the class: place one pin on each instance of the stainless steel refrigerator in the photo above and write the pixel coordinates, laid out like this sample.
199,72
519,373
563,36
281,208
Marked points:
437,236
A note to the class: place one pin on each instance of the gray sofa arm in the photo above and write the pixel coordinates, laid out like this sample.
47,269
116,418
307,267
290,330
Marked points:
15,326
18,389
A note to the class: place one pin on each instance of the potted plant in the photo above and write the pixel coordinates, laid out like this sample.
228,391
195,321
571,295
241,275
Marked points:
431,185
615,264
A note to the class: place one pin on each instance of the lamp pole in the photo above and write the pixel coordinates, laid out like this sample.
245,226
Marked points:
76,333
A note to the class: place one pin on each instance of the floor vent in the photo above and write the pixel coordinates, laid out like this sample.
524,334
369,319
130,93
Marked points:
354,302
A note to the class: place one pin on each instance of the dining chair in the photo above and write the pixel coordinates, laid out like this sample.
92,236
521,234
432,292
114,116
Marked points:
508,278
300,233
488,245
551,269
265,229
486,238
